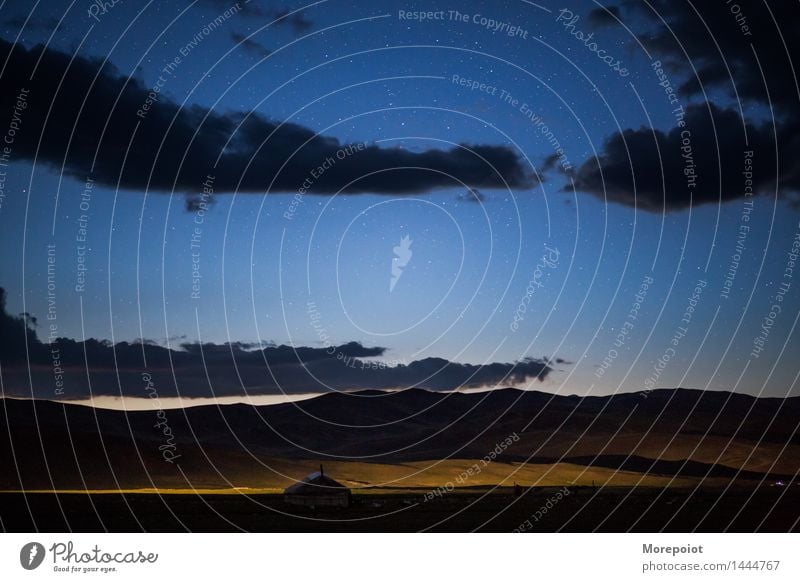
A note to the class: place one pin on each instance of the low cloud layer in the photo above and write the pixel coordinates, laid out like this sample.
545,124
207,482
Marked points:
68,369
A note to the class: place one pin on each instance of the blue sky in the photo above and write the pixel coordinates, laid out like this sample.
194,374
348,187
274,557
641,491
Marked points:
374,78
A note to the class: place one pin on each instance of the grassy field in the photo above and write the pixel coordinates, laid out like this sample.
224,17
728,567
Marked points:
274,475
450,495
584,509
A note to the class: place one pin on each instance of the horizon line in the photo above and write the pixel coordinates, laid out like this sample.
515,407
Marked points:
144,403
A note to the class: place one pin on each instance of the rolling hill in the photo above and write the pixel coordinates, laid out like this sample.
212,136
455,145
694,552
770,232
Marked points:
412,438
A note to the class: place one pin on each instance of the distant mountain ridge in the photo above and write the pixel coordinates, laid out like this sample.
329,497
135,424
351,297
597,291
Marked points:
48,444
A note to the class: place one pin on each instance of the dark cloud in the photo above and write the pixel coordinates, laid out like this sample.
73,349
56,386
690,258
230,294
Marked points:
251,46
604,17
297,21
473,195
646,167
98,126
657,170
206,369
195,203
708,36
555,162
15,334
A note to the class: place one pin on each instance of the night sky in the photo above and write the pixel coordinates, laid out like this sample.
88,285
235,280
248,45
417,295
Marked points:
562,196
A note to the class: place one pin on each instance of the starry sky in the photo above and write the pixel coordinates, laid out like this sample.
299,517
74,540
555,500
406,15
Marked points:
630,291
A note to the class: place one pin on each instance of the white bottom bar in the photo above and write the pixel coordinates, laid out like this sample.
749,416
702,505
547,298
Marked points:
402,557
